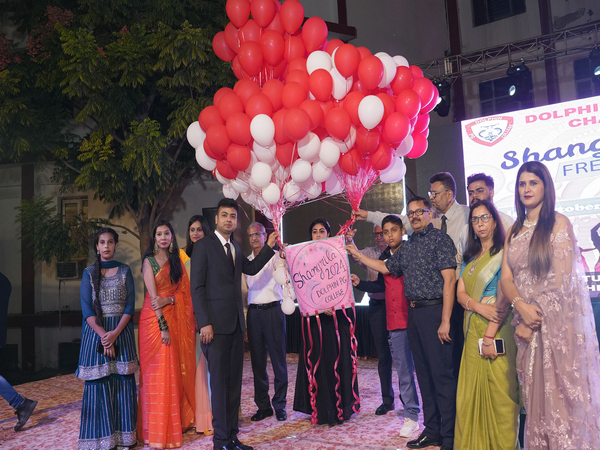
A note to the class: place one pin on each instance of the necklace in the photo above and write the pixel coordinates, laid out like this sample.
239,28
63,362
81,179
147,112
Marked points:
528,224
475,262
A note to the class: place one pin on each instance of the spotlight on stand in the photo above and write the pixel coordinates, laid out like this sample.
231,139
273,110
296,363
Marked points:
518,81
443,104
595,65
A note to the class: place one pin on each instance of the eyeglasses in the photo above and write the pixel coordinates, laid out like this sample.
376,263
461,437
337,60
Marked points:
378,234
255,235
485,218
418,212
434,194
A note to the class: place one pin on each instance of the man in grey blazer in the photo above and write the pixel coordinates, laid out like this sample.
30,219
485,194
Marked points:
217,265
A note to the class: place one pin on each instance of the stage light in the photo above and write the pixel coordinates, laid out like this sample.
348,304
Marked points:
445,99
595,65
518,81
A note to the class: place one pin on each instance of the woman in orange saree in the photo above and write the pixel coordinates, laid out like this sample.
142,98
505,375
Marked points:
167,345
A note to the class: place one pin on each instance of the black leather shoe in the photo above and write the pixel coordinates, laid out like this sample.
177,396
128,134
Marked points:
23,412
445,447
281,414
262,414
384,409
237,444
230,446
423,442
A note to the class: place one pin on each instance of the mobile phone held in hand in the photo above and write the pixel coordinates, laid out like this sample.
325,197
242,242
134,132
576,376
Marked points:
499,346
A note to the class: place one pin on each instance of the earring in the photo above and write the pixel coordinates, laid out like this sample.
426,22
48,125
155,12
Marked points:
171,247
97,252
155,248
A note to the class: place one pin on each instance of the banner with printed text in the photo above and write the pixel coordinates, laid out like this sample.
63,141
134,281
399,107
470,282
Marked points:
320,273
566,138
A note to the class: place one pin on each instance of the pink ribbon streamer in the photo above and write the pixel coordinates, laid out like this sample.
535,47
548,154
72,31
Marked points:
335,370
354,355
313,386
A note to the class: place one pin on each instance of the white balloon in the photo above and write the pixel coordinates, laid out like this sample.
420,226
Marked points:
318,60
229,192
262,129
341,85
309,146
301,171
405,146
261,174
280,276
264,153
320,172
288,306
400,61
271,194
347,143
249,197
370,111
314,190
205,161
333,185
329,153
195,135
240,185
221,178
306,183
389,68
292,192
282,173
394,173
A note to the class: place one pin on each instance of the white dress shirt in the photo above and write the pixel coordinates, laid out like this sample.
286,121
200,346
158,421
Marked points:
262,287
228,241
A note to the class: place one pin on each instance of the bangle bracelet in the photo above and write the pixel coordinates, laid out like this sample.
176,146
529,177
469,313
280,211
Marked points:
515,300
358,258
489,337
172,300
467,305
487,345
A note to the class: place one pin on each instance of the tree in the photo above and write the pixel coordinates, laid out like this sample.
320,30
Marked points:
106,90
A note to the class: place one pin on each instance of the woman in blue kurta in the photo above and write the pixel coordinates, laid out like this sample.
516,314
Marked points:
108,358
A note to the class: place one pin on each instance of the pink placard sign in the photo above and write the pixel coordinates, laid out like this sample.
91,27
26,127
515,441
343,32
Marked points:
320,272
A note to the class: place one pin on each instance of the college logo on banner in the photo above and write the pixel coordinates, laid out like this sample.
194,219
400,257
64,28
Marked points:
490,130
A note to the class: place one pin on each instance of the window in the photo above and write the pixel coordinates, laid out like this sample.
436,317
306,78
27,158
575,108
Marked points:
494,97
73,269
584,85
488,11
71,207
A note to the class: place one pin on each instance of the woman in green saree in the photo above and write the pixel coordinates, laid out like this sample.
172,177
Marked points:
487,400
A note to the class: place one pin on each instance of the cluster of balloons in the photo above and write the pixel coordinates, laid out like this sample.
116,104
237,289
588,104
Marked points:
307,116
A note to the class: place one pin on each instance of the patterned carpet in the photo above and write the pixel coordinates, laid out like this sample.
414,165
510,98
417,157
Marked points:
55,422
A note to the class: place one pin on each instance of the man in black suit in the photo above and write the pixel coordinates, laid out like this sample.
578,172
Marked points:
216,282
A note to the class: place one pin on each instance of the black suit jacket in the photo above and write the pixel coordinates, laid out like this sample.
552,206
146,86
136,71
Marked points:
216,287
5,290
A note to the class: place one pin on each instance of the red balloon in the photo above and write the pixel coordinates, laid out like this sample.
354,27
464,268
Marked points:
281,136
367,141
419,146
238,128
320,132
321,84
245,89
297,64
210,116
221,48
262,11
292,15
370,72
230,104
226,171
237,68
217,138
408,102
298,76
212,154
358,87
296,123
396,128
347,58
326,107
293,48
416,71
271,44
422,123
238,12
314,111
402,81
259,104
389,106
232,37
332,45
276,25
351,103
251,57
286,153
424,89
274,89
364,52
219,94
350,162
314,33
292,95
338,123
239,157
382,157
249,32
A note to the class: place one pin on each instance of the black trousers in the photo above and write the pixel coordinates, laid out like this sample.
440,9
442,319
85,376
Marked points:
457,334
225,358
435,372
266,333
377,320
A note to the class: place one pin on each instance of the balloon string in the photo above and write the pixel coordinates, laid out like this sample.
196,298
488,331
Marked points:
308,365
335,369
354,355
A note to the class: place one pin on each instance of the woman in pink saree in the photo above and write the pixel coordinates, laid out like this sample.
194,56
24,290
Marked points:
558,360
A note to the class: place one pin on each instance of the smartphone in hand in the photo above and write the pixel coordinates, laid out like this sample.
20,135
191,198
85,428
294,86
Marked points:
499,343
